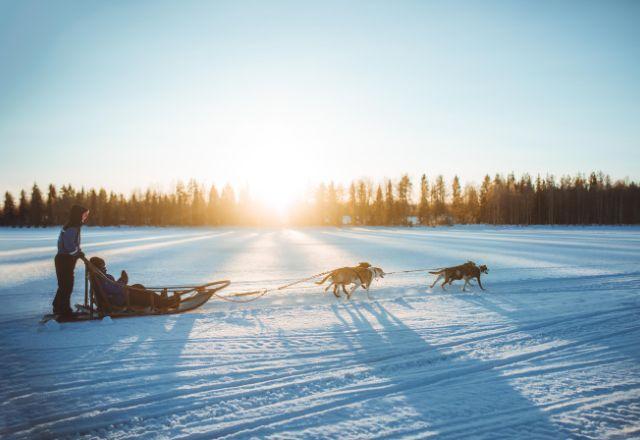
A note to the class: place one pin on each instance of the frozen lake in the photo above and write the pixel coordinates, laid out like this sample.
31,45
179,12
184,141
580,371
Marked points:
551,350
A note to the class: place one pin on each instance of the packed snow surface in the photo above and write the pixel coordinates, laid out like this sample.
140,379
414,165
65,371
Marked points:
550,350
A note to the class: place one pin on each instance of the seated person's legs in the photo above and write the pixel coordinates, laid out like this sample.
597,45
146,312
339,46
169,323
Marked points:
139,297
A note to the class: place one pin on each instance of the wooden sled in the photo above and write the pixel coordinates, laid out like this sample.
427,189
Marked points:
97,305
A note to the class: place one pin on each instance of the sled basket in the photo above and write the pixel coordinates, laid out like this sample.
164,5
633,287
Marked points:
97,305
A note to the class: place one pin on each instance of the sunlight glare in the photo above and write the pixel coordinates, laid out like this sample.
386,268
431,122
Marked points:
274,189
278,157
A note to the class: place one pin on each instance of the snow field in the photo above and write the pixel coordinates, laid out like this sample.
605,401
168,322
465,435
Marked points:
551,350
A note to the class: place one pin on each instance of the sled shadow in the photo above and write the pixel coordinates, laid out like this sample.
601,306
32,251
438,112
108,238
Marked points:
111,368
102,374
436,391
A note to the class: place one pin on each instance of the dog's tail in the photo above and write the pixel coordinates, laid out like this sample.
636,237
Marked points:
324,279
437,272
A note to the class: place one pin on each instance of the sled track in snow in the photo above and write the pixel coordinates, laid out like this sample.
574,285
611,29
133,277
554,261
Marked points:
321,382
547,352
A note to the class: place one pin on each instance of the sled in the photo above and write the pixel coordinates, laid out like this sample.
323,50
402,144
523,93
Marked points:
97,306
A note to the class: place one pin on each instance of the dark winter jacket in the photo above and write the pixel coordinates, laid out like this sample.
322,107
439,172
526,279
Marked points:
69,241
69,238
114,290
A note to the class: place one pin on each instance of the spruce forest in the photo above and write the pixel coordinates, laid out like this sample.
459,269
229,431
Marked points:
506,200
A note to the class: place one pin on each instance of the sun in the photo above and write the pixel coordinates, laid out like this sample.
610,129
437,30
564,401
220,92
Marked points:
275,191
273,154
275,184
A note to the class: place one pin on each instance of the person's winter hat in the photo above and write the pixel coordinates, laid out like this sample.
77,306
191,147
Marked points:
98,262
75,215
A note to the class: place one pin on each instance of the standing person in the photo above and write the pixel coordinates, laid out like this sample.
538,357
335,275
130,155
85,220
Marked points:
68,253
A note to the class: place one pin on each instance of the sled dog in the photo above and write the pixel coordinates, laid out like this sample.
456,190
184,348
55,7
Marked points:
466,272
360,275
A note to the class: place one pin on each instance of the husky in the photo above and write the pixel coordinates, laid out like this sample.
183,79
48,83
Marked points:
465,272
361,275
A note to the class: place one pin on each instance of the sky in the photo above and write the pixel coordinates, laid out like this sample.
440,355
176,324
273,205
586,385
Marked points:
282,95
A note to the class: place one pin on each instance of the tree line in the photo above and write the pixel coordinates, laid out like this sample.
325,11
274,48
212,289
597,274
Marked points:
579,200
573,200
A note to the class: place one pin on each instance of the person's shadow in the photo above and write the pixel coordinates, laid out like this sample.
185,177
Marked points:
103,374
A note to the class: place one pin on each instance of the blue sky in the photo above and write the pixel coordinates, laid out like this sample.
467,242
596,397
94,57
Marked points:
281,95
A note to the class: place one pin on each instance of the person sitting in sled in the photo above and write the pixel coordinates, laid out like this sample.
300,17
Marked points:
138,295
65,260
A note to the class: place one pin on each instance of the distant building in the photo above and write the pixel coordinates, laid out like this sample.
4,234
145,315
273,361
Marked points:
413,220
346,219
444,220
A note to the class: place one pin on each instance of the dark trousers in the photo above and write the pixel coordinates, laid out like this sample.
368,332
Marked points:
65,265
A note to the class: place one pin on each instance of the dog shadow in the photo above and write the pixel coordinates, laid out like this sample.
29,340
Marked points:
431,389
574,328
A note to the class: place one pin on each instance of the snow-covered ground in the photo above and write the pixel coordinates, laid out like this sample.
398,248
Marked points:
550,350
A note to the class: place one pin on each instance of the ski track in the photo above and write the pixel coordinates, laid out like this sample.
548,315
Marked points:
550,350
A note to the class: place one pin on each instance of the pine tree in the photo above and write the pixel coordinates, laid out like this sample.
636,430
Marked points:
496,200
94,218
352,202
9,215
23,210
197,203
112,213
228,205
67,199
595,199
378,208
122,210
81,197
527,200
404,194
389,205
438,199
550,200
471,211
103,207
213,207
36,210
50,211
182,203
509,207
145,208
423,205
484,199
456,199
538,208
130,210
363,203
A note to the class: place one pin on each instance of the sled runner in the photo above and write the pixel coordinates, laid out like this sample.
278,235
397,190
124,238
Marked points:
97,305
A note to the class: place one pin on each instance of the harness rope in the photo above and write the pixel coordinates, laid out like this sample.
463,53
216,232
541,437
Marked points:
412,270
263,292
